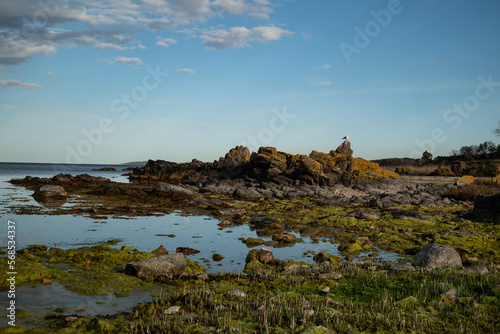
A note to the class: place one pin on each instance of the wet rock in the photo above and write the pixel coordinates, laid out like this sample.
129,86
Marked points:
252,242
160,251
352,247
217,257
438,256
262,255
186,250
235,292
165,265
284,238
52,191
325,257
225,223
478,268
166,189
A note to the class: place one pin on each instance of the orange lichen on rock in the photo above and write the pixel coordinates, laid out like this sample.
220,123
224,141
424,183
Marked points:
496,179
466,179
370,170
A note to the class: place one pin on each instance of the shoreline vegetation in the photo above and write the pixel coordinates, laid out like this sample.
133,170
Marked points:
365,210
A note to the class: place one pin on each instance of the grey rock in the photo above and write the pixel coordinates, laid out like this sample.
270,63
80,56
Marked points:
438,256
450,293
334,276
400,266
165,265
235,292
163,188
172,310
478,268
49,190
249,192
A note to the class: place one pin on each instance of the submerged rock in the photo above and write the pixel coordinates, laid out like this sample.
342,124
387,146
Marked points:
438,256
165,265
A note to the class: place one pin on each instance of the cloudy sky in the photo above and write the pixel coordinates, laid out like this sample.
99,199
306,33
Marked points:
111,81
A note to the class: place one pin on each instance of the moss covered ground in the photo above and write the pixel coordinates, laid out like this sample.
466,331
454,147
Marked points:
281,296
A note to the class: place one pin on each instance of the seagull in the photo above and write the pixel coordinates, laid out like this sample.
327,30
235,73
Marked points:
346,137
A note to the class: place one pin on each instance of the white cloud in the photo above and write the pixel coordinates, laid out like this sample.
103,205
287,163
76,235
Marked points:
258,9
12,83
51,73
267,34
324,67
14,49
31,28
231,6
186,70
237,37
127,61
165,42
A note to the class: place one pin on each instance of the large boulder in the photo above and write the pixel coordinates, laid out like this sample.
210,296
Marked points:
487,208
238,156
165,266
51,191
438,256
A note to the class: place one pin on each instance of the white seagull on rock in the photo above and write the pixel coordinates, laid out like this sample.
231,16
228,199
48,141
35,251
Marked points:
346,137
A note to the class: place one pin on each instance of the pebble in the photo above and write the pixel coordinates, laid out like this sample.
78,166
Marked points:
235,292
46,281
325,290
331,276
450,293
172,310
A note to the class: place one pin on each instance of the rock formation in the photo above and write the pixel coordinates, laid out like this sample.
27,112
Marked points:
269,165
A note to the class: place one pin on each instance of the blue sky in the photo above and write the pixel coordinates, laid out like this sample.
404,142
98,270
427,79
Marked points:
125,80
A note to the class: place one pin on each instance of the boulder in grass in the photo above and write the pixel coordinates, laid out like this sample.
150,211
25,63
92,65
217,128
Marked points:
165,266
438,256
51,191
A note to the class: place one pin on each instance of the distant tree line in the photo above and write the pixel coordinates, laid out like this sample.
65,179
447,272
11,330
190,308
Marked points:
485,151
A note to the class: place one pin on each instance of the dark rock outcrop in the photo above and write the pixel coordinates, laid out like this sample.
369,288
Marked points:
487,209
245,174
165,266
438,256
